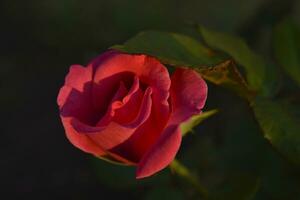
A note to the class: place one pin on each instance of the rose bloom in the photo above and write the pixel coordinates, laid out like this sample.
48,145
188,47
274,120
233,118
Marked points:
127,109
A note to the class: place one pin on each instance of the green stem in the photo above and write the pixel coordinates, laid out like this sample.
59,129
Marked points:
185,173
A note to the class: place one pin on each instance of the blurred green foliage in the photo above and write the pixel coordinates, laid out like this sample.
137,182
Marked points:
287,47
280,127
257,71
171,48
237,187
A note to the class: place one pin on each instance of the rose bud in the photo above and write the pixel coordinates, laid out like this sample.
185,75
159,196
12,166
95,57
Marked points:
126,109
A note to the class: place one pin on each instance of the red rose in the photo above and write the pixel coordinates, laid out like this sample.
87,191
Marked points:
127,109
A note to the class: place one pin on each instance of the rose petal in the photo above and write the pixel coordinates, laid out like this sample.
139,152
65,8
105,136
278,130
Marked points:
81,141
144,137
128,112
125,110
78,76
188,94
134,88
114,133
156,75
161,154
129,107
144,111
114,66
77,104
86,144
74,97
63,95
73,102
115,103
121,93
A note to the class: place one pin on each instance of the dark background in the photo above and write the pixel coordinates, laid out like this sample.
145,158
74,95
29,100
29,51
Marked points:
41,39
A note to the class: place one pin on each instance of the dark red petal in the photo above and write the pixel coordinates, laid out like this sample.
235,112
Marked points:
81,141
114,66
161,154
78,76
121,92
144,137
77,104
74,97
115,104
188,94
128,108
86,144
63,95
114,133
73,101
128,112
156,75
144,110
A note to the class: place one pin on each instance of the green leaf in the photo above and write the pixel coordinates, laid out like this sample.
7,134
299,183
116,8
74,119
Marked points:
227,75
171,48
259,76
180,50
287,48
195,120
238,187
280,126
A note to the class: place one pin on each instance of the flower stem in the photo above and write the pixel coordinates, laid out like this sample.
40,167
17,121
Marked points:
185,173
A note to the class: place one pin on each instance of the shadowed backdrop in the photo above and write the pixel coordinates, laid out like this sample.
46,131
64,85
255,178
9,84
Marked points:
41,39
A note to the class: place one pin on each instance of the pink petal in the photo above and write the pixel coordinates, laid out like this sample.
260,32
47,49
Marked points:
81,141
128,112
114,133
134,88
128,108
188,94
114,66
73,101
77,104
156,75
78,76
114,104
161,154
145,136
63,95
139,143
121,92
86,144
74,97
